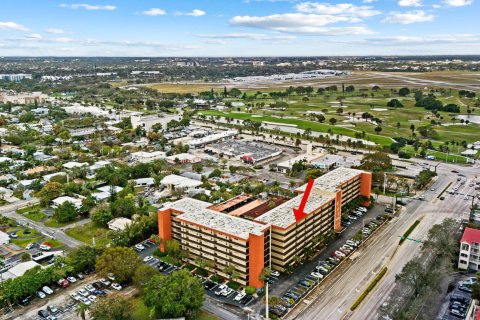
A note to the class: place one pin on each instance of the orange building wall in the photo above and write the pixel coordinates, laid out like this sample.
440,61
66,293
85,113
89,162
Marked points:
337,220
366,186
256,260
164,226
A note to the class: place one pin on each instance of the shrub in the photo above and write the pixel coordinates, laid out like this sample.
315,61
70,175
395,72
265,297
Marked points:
250,290
369,288
407,233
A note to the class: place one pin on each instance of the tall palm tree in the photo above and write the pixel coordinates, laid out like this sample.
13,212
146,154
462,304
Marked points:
81,310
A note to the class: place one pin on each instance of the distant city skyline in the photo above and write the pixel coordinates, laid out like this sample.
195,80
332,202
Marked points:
152,28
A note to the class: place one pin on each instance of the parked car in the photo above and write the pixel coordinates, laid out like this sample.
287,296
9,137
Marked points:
339,254
90,288
75,296
26,301
227,292
116,286
100,293
71,279
208,285
292,295
220,289
47,290
92,298
45,247
53,309
29,246
239,296
83,292
316,275
275,273
147,258
351,243
86,301
80,276
139,247
105,282
63,283
40,295
43,314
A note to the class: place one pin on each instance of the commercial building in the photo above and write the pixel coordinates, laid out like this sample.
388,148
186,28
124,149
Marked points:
224,235
146,157
24,98
469,256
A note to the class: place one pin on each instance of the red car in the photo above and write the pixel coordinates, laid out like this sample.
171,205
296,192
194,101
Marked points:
63,283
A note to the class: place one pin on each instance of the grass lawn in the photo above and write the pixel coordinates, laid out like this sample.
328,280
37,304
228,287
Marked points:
87,232
35,216
31,232
166,259
52,223
35,207
53,243
23,242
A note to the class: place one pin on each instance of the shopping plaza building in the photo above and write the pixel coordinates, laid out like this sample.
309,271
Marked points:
249,236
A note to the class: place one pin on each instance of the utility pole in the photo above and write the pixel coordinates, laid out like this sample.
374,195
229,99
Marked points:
266,302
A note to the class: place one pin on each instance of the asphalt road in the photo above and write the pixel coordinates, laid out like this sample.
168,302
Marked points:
335,299
57,233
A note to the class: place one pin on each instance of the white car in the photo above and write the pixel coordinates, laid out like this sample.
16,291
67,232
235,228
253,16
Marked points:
83,292
226,292
86,301
139,247
147,258
71,279
105,282
220,289
44,247
47,290
29,246
275,273
92,298
90,288
41,294
316,275
351,243
339,254
363,209
75,296
240,296
116,286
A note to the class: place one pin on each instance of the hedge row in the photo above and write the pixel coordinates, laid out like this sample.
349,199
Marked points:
407,233
369,288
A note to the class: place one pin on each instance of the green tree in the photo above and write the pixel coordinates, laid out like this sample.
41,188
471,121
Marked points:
142,275
123,208
83,258
81,310
101,216
403,92
178,295
65,212
49,192
332,121
113,307
120,261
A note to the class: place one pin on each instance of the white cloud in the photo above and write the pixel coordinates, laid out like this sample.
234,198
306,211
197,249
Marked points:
311,24
342,9
458,3
438,39
369,1
34,36
251,36
54,31
193,13
215,41
9,25
154,12
408,17
88,6
410,3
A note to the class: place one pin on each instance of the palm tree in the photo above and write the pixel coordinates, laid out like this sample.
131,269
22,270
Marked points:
81,310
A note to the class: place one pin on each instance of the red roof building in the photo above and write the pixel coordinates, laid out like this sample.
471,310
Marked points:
469,256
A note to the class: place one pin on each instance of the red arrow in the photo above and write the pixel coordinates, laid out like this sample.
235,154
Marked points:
300,213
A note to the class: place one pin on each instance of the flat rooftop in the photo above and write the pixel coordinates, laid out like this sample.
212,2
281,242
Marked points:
196,212
283,217
231,203
333,179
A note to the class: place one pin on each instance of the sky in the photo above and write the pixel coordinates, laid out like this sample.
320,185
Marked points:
147,28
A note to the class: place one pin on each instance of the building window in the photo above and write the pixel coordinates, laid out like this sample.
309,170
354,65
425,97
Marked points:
465,246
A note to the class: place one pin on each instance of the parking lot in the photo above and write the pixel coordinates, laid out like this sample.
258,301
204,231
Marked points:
292,283
457,302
